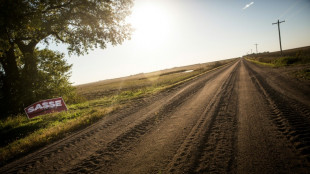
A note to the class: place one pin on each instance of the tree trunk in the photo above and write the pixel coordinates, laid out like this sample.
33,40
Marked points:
29,74
11,102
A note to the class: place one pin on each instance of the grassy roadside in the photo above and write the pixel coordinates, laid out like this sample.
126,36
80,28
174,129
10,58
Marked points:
280,61
260,63
24,136
21,136
302,73
299,58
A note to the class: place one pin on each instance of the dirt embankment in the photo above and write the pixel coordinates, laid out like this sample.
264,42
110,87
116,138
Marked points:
241,118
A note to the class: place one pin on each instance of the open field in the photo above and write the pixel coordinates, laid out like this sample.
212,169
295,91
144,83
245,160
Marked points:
144,80
239,118
21,136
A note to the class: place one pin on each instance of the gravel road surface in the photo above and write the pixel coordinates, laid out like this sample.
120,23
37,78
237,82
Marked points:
241,118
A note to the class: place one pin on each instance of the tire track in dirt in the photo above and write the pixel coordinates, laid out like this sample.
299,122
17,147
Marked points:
262,148
191,128
109,154
72,142
290,116
211,146
106,155
155,150
78,147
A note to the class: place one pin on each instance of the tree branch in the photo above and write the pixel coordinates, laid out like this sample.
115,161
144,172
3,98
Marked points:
57,6
58,37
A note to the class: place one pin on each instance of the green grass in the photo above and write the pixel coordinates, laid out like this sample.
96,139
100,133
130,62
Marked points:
287,61
20,135
28,135
295,57
280,61
298,56
260,63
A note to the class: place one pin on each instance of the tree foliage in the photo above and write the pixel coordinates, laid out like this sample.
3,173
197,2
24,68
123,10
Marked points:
80,24
54,73
83,24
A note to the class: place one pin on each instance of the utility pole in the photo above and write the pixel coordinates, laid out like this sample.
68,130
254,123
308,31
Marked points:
279,33
256,48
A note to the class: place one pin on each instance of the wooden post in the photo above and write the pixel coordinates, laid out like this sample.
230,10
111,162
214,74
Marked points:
279,33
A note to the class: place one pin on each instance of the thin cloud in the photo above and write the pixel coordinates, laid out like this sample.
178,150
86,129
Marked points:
248,5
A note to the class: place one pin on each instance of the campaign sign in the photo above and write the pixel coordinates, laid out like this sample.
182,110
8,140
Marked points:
45,107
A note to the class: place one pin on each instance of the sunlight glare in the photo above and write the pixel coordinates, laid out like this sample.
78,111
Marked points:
151,23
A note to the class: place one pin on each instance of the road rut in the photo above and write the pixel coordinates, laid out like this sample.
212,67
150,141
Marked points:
230,120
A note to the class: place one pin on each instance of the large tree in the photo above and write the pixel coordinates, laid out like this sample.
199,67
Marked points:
80,24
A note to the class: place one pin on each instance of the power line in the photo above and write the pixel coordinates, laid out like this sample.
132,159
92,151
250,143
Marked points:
279,33
256,48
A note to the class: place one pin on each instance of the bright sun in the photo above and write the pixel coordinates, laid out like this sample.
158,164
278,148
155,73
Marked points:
151,23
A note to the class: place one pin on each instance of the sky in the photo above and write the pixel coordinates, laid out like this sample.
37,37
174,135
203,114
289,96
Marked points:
184,32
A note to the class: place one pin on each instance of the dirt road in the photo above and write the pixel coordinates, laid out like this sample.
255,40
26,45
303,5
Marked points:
241,118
